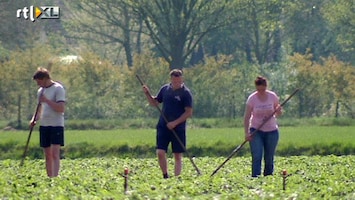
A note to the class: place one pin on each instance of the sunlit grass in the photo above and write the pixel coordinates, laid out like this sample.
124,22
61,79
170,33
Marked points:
230,136
300,140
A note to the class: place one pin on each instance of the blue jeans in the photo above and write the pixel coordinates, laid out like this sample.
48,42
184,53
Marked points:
263,143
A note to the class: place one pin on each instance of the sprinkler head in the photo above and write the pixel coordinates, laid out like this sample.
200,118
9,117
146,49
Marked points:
284,172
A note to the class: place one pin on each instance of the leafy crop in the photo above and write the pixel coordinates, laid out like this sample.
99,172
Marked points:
314,177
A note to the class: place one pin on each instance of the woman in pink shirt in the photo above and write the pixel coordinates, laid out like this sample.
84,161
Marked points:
260,105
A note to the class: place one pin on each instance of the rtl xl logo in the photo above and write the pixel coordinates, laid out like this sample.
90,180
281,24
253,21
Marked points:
39,12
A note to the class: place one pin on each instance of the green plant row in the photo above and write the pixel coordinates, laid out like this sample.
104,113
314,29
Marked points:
310,177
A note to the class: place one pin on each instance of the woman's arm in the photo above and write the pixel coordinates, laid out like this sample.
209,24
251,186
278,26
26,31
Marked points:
247,116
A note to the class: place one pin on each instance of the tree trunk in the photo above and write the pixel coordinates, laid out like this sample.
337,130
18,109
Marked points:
19,113
337,109
127,37
177,52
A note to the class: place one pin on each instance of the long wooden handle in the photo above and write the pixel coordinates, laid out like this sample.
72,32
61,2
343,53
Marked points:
30,133
245,141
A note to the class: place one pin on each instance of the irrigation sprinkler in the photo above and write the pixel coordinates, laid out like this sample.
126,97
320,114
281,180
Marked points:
284,176
125,184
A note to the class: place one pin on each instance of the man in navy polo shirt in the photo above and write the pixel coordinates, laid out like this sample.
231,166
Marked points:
177,107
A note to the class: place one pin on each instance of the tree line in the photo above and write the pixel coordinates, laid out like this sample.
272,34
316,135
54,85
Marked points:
185,32
97,89
221,45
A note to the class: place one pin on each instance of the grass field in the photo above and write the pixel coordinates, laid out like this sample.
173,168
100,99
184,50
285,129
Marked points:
303,140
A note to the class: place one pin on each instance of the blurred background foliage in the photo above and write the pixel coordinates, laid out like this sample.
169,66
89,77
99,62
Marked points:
97,48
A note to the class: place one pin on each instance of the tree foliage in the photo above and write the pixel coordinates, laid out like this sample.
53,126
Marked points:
176,27
97,89
323,85
306,44
261,29
341,18
255,31
104,23
17,89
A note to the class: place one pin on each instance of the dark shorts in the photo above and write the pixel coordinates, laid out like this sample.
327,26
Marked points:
49,135
165,136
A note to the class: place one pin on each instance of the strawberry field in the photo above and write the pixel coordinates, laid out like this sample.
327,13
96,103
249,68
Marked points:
309,177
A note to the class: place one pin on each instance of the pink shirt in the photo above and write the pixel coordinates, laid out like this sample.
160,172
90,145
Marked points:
262,110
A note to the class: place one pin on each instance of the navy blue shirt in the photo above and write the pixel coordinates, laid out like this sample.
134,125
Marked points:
174,103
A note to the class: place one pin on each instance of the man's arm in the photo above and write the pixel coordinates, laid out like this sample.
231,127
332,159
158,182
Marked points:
56,106
152,101
182,118
36,115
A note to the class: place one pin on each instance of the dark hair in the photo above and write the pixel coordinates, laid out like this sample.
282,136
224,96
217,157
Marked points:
260,81
176,72
41,73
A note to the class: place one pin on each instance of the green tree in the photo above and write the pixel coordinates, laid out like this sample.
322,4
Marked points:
19,33
255,36
177,27
18,90
220,89
310,99
341,83
340,16
154,72
306,29
261,30
108,24
93,87
11,25
324,85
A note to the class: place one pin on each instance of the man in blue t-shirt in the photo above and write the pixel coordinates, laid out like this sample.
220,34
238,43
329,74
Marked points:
177,107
